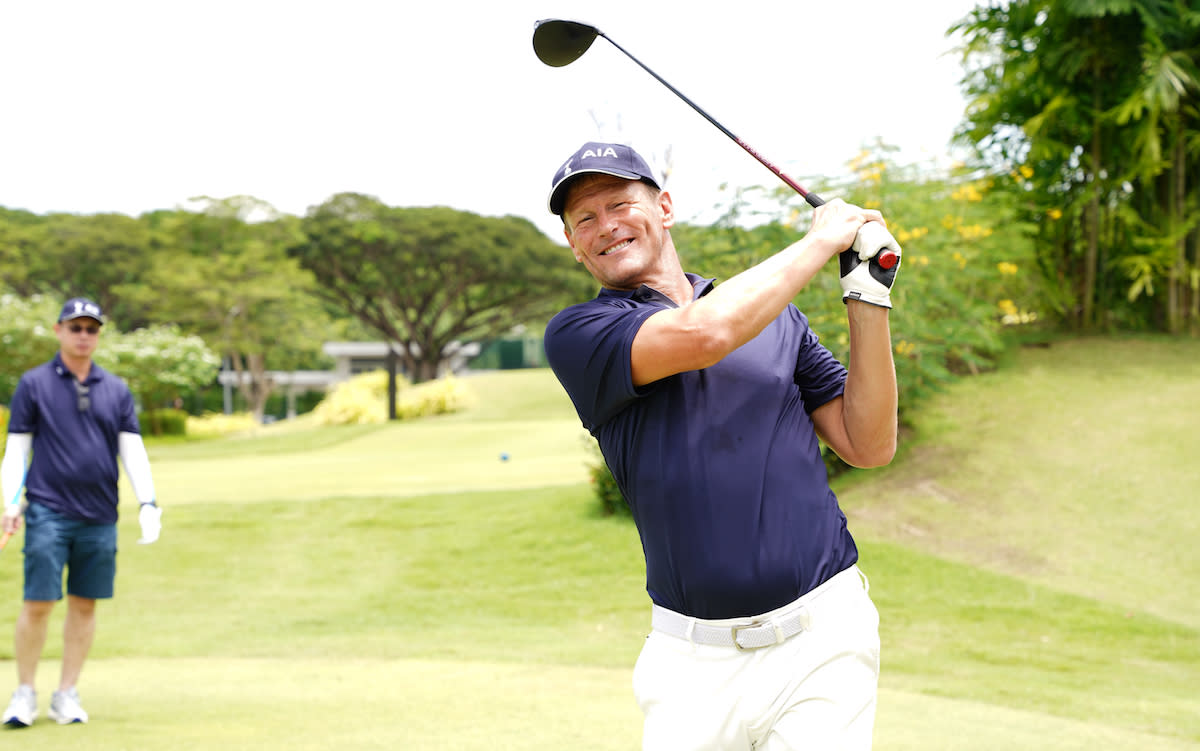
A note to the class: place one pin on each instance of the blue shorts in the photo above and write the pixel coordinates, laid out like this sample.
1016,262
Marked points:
52,541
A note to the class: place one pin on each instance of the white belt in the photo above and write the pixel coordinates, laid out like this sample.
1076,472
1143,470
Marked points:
750,633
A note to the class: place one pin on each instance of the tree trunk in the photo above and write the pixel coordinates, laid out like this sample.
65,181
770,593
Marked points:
253,382
1178,275
1092,230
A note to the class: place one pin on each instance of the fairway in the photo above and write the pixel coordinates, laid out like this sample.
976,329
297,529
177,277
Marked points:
402,587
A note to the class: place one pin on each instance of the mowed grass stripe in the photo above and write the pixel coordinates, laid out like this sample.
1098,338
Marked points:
316,704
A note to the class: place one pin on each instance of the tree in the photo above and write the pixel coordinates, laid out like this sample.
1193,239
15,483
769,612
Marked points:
433,278
26,330
69,255
1053,96
159,364
223,273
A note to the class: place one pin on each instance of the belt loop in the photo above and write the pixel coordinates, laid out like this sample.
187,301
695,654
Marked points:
691,629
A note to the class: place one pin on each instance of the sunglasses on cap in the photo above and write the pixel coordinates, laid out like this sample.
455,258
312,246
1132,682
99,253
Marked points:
75,328
83,399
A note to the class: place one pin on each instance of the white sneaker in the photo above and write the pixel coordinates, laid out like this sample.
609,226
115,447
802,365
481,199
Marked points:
65,709
22,709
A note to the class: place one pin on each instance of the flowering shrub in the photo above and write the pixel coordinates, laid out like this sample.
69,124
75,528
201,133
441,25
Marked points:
215,424
363,399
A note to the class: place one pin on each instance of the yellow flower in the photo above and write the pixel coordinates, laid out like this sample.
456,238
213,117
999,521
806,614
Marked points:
967,193
974,232
1007,307
1026,171
1004,267
905,348
962,261
1054,214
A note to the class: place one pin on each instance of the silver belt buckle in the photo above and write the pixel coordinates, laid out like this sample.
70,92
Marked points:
736,645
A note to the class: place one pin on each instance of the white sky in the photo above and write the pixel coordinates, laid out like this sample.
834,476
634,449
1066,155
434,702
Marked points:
130,105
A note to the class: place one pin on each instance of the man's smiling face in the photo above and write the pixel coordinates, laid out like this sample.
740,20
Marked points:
617,228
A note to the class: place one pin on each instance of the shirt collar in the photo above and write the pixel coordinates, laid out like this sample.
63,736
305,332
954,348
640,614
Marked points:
700,286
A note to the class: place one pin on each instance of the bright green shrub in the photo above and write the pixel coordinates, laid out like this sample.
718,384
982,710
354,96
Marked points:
163,421
363,399
604,486
215,424
443,396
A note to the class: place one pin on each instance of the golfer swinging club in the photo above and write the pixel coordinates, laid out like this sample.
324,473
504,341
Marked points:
707,402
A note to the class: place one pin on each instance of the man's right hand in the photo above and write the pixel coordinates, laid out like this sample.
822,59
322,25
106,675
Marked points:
12,517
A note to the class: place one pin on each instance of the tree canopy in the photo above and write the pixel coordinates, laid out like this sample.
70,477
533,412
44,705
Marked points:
1094,104
432,278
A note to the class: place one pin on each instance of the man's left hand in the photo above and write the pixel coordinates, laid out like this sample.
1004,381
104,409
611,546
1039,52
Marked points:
150,518
864,278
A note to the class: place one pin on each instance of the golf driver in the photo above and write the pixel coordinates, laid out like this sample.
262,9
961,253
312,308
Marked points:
558,43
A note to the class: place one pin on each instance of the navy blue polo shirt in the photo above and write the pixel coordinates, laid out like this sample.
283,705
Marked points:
721,467
74,465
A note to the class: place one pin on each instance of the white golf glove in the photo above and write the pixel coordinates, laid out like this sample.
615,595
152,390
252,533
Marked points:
150,518
863,276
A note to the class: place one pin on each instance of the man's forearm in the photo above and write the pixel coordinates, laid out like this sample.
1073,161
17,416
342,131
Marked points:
870,400
752,299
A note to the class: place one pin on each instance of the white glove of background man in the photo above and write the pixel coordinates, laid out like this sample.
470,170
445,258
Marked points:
864,277
150,519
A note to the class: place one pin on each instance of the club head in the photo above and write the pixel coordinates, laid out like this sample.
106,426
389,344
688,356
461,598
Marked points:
558,43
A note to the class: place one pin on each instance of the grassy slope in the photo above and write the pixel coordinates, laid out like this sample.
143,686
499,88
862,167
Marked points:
1075,466
375,614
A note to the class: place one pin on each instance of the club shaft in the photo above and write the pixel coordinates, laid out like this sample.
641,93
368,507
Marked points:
813,199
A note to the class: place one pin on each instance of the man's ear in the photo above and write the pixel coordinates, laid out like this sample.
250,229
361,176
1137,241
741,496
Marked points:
668,209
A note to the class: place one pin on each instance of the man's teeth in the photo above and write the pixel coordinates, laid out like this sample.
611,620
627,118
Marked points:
617,247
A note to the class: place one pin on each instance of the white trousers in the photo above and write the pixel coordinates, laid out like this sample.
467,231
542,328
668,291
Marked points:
815,691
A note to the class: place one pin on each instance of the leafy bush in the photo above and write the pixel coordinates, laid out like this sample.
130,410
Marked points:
164,421
439,397
215,424
26,335
363,399
604,486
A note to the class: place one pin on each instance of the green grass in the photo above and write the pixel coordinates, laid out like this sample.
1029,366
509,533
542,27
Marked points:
401,587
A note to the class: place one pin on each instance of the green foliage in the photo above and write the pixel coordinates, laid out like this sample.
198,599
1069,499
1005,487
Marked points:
4,414
216,425
1094,104
465,277
159,362
362,400
604,486
968,272
443,396
26,335
164,421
